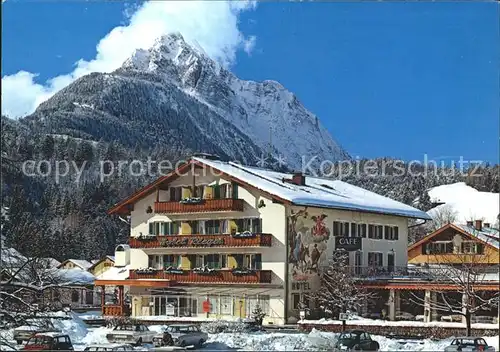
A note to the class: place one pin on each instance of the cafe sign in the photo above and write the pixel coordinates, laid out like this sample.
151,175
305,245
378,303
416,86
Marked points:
189,241
348,243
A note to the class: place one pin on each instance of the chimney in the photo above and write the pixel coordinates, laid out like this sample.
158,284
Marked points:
470,223
479,225
299,179
487,225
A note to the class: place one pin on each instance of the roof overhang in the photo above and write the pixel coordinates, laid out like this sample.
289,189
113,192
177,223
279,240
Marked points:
427,238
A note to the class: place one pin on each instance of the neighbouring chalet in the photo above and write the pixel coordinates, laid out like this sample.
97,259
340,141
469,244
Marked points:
458,249
100,266
75,264
215,239
472,243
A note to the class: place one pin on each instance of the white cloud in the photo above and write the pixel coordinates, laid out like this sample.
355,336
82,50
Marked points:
249,44
211,24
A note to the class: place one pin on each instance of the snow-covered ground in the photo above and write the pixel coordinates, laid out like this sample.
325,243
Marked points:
276,341
466,202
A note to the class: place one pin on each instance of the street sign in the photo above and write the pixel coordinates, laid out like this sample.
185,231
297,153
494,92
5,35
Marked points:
343,316
206,306
348,243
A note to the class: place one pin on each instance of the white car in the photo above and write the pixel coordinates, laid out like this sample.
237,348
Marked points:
135,334
181,335
109,347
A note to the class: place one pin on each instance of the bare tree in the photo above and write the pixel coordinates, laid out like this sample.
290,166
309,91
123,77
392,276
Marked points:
340,290
465,267
442,215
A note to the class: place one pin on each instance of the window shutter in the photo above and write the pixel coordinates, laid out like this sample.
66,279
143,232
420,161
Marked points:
151,228
387,233
396,233
235,190
217,192
354,230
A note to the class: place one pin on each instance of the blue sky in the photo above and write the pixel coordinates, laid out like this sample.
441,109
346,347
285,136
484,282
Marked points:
386,79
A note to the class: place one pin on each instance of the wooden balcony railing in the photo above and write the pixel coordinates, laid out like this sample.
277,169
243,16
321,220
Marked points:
214,277
113,310
201,241
204,206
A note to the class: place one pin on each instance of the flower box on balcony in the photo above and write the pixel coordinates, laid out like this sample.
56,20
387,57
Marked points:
242,271
204,271
191,201
245,234
174,271
147,271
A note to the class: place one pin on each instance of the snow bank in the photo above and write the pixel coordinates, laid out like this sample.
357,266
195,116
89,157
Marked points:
399,323
467,202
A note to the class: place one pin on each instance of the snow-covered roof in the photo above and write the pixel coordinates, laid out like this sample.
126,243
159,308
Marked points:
114,273
81,263
317,192
488,235
466,202
74,276
11,258
48,262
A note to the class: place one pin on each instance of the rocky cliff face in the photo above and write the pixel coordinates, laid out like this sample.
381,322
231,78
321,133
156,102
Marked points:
176,95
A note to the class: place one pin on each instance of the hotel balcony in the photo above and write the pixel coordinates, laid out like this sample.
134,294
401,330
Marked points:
228,276
201,241
203,206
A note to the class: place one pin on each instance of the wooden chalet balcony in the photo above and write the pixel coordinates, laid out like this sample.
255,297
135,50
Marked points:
201,241
204,206
224,276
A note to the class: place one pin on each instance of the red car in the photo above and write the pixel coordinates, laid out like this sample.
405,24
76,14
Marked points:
49,341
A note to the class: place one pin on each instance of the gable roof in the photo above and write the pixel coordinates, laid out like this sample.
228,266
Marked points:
482,236
317,191
98,261
81,263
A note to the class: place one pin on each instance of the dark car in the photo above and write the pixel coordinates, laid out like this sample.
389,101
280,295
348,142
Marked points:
356,340
473,344
49,341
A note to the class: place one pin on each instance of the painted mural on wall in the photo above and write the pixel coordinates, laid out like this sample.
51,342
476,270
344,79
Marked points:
308,237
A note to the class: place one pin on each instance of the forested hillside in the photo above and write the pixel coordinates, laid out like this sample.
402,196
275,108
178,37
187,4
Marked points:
68,219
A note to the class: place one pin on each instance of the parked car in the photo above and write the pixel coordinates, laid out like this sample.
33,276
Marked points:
24,333
404,316
469,344
109,347
135,334
181,335
49,341
356,340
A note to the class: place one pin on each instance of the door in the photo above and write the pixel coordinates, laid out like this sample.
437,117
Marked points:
390,262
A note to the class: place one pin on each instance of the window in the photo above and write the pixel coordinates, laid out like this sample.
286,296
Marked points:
252,261
171,260
251,225
261,301
358,262
161,228
340,228
212,261
371,231
212,227
379,232
391,233
354,230
471,247
375,259
362,230
295,300
175,194
75,297
226,303
214,304
198,191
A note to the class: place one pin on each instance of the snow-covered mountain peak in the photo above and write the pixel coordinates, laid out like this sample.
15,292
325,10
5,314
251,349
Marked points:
177,77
